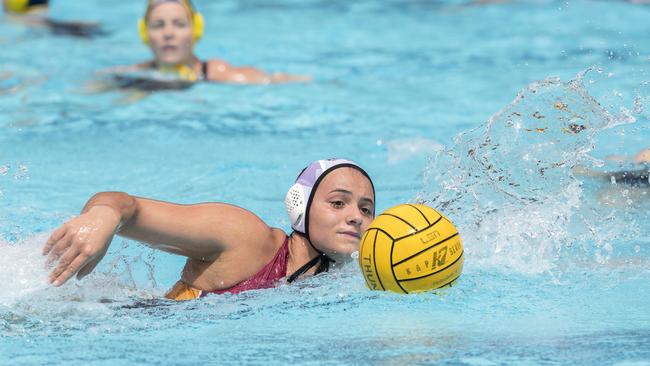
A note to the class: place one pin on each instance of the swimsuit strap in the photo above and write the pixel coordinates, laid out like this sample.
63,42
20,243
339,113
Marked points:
324,261
204,70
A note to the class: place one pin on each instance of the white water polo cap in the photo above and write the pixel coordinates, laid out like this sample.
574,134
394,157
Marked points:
300,195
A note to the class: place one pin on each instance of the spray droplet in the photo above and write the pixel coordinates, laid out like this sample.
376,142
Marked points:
22,173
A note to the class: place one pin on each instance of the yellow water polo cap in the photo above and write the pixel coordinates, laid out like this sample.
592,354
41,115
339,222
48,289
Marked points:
197,19
23,6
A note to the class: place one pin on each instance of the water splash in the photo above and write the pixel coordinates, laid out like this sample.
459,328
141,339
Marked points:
112,302
27,300
22,172
22,271
4,169
509,185
29,304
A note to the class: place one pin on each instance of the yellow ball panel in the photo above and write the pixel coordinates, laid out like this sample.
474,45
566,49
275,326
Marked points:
412,245
435,280
413,215
431,213
432,260
367,260
393,226
374,258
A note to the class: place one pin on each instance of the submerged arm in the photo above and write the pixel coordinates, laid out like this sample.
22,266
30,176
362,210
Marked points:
223,72
643,157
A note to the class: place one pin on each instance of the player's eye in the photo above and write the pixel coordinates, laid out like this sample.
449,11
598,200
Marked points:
337,204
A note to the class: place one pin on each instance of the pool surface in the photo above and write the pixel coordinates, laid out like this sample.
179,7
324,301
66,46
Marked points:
478,110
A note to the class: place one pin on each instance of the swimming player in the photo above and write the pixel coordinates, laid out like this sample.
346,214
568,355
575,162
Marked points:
631,177
627,185
229,249
34,12
642,157
171,28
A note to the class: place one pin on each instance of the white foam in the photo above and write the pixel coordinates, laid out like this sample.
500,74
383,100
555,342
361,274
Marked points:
24,278
23,269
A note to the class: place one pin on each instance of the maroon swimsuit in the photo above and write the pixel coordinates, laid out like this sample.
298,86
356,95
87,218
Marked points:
266,277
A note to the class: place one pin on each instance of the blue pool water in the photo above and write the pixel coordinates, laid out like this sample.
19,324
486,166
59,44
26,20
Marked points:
406,88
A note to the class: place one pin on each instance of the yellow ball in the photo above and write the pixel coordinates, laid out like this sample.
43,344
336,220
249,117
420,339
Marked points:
410,248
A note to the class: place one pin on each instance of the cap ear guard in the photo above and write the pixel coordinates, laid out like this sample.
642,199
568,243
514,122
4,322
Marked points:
142,31
22,6
295,202
17,6
197,28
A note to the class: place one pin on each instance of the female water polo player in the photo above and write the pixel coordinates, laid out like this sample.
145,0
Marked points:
171,28
229,249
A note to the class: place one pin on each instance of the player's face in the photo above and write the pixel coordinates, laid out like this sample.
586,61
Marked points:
169,27
341,211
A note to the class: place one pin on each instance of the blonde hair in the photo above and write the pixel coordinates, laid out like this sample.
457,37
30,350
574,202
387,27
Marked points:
152,4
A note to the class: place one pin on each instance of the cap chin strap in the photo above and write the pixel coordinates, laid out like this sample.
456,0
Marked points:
321,258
